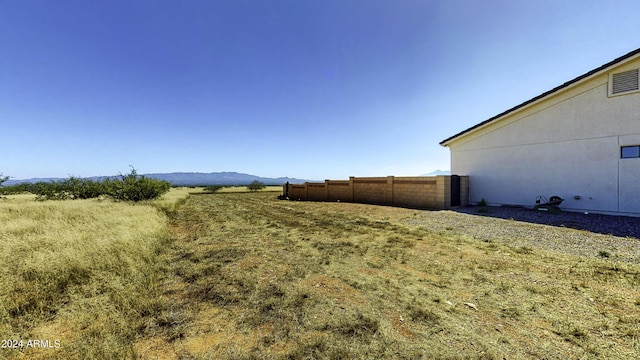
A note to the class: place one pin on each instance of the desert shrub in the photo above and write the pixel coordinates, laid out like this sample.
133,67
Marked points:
213,188
71,188
2,180
82,188
15,189
134,187
130,187
49,190
255,186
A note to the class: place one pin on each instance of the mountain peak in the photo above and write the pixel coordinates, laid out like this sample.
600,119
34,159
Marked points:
438,172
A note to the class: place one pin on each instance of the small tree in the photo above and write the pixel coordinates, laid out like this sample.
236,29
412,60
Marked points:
256,185
2,180
213,188
134,187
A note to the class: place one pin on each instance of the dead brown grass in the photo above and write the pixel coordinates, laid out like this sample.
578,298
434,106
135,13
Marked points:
245,276
250,277
79,272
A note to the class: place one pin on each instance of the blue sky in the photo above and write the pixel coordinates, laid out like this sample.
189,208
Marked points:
299,88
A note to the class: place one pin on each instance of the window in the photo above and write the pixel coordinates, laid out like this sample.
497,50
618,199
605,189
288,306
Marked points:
624,82
630,151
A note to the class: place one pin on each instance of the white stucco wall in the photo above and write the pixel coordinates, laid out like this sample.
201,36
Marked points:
567,145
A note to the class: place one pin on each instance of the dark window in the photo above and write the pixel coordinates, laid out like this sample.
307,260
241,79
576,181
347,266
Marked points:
630,151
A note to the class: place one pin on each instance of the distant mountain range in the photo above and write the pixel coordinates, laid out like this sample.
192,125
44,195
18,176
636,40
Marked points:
189,179
199,179
219,178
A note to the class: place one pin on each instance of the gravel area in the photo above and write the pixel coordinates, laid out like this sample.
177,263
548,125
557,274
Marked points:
594,235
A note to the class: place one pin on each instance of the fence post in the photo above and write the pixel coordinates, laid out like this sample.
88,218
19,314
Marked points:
390,190
326,189
443,191
352,188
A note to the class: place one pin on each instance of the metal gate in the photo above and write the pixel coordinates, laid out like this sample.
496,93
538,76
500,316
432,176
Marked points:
455,190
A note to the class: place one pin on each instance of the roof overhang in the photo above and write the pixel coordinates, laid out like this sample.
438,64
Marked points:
584,77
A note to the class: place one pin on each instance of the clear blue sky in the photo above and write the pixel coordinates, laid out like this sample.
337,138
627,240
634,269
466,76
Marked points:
299,88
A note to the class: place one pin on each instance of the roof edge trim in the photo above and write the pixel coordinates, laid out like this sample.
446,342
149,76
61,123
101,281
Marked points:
543,95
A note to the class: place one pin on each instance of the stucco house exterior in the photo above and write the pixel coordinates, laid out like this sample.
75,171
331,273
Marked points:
579,141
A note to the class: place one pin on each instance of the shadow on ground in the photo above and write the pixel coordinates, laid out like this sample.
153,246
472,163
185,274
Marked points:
624,226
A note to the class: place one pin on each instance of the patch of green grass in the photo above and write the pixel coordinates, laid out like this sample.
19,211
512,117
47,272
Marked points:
524,250
604,254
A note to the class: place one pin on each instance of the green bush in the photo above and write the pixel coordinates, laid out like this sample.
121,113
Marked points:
55,190
134,187
213,188
71,188
255,186
130,187
85,188
2,180
15,189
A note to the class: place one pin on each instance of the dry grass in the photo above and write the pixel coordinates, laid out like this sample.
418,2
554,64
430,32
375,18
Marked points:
237,189
245,276
171,201
83,272
253,277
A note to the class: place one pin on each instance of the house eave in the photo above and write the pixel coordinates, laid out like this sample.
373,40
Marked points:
569,84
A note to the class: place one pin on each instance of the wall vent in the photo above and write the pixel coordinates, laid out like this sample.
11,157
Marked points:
624,82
